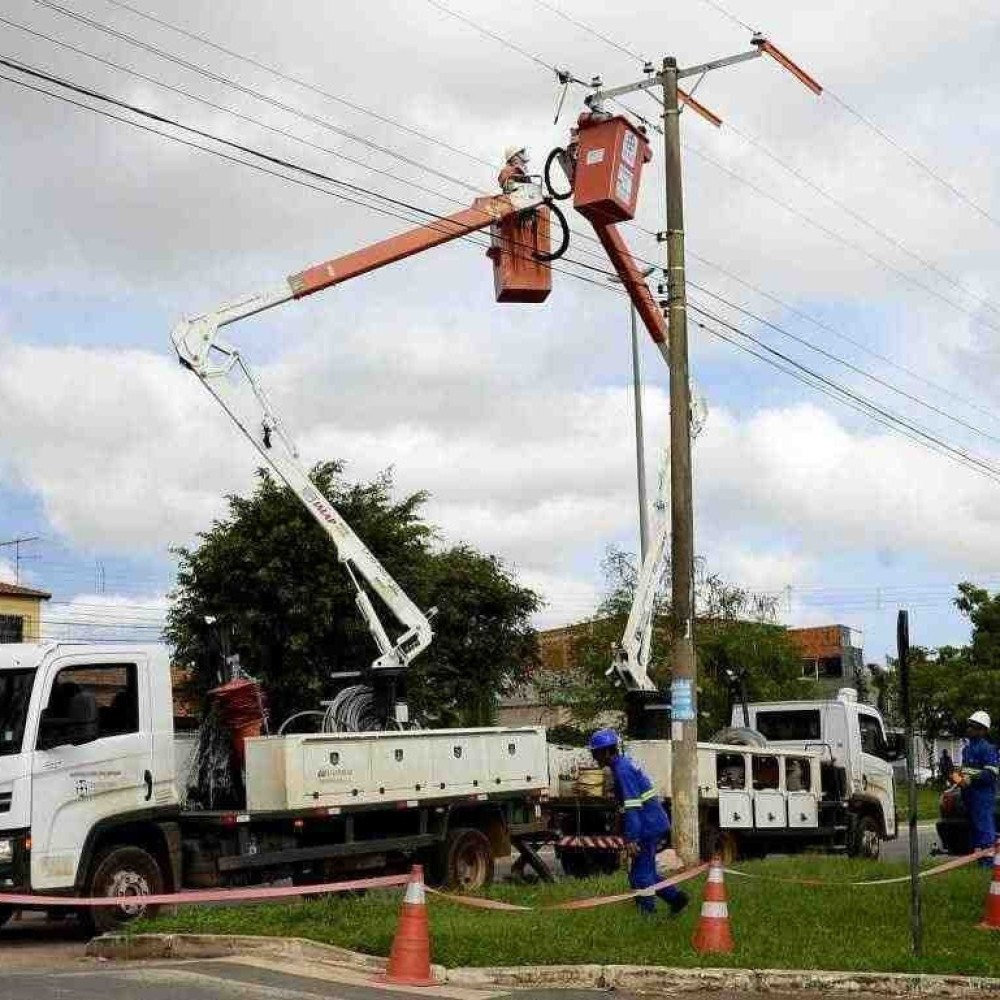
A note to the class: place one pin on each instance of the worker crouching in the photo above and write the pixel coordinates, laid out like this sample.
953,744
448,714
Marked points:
645,819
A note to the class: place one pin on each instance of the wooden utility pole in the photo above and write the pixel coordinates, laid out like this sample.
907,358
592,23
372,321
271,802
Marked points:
684,685
684,790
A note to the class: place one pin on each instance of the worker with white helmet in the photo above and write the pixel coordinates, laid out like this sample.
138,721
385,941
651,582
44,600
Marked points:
978,780
515,168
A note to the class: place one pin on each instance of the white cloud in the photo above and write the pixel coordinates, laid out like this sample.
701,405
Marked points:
7,572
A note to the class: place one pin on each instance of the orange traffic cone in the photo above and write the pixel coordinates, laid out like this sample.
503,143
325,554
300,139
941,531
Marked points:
410,958
991,914
713,933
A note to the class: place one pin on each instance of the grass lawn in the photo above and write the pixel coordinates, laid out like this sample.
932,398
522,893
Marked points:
928,800
775,925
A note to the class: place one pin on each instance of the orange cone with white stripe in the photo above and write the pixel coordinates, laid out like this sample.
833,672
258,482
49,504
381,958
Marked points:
991,913
410,958
713,933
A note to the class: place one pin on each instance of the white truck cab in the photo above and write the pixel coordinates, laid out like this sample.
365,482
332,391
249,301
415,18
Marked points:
86,736
851,739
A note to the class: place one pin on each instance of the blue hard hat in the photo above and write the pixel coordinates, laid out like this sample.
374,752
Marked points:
602,739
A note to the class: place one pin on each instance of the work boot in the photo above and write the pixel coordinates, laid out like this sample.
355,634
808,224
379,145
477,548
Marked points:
678,903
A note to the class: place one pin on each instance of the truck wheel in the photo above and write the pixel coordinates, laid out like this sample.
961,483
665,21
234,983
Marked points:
575,863
468,859
722,843
865,841
126,872
6,912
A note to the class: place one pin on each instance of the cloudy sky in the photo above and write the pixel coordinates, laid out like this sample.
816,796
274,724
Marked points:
852,258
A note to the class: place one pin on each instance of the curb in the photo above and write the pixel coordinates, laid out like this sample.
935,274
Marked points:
631,978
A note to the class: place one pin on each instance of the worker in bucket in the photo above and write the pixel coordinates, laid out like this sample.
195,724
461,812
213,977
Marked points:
515,168
977,778
646,821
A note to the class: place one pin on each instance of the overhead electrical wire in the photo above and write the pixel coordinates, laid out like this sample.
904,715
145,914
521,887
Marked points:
249,91
301,82
915,432
815,348
800,175
244,149
236,55
356,190
885,136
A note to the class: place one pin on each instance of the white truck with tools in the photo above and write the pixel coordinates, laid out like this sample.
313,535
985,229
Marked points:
93,781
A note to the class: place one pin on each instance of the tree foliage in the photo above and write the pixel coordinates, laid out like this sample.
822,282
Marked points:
271,579
735,634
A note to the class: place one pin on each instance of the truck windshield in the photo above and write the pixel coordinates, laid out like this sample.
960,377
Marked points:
15,692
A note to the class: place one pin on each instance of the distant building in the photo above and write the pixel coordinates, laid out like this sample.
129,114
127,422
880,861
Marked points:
831,654
20,613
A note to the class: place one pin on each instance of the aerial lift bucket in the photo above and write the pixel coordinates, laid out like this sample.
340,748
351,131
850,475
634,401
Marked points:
609,162
517,241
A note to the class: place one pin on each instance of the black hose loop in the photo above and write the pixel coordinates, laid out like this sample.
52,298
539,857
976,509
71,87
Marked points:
563,242
554,156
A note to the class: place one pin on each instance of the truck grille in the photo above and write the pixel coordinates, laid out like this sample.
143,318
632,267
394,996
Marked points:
5,801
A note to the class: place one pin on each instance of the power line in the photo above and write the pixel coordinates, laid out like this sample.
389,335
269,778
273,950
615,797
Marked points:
844,395
267,157
300,82
846,364
912,157
607,39
838,237
249,91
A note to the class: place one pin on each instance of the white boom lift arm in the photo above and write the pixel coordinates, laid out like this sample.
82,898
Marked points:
225,374
630,657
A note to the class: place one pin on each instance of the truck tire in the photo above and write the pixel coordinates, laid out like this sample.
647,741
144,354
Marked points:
467,862
6,912
722,843
129,872
865,840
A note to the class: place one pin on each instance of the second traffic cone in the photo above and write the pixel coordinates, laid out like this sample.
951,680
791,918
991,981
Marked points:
713,933
991,912
410,957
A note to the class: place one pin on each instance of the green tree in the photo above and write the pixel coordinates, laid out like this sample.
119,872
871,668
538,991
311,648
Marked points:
271,578
736,635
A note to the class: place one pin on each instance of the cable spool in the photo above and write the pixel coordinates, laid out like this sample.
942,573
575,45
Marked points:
240,707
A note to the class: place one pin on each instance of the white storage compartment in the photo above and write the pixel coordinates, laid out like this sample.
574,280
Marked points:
735,810
769,810
803,810
342,769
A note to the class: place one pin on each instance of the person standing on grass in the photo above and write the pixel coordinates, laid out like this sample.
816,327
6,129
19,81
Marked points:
945,766
646,821
978,780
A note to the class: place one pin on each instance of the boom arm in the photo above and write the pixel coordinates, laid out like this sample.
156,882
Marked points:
239,393
224,373
630,659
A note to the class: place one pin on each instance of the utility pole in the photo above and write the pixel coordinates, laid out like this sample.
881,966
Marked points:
684,793
683,695
17,543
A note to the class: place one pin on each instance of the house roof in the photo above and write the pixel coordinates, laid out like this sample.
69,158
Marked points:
15,590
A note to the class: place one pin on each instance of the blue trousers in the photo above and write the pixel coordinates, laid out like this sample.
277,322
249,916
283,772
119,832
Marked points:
980,802
642,875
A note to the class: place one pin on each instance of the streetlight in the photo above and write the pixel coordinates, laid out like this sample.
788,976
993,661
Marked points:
640,458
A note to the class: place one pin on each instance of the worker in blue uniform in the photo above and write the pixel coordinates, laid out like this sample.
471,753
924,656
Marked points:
978,779
646,821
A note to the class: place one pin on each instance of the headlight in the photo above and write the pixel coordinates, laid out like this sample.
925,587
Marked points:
6,850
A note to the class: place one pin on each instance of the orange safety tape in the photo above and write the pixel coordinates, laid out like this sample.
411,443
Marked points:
590,902
947,866
203,895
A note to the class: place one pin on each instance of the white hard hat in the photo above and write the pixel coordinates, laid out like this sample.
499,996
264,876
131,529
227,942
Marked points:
511,151
980,719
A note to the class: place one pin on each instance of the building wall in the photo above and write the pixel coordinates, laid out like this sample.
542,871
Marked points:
28,608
